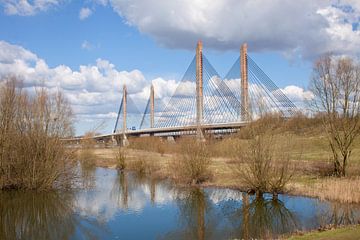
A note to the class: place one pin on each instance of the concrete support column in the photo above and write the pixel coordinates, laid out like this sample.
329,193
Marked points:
152,106
113,140
244,84
199,90
125,142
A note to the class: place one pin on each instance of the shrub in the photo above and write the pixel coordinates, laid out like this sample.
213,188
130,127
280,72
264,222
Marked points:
193,165
32,155
264,165
139,166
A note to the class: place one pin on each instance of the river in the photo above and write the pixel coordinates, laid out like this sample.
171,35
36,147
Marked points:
117,205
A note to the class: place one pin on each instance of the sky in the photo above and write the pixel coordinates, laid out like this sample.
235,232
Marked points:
89,49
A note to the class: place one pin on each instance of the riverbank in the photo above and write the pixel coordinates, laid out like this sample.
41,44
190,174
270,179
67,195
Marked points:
343,233
307,179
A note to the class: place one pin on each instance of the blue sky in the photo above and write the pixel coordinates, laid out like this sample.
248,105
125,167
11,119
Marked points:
141,35
57,37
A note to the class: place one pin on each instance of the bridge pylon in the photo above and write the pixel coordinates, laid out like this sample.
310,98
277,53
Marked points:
199,91
125,141
152,106
245,116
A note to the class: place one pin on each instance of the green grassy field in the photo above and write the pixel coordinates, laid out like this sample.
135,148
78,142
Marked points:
345,233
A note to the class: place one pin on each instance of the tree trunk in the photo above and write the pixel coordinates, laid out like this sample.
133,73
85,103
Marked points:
344,164
337,165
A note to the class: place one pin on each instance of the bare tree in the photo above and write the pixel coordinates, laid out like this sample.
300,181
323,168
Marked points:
336,86
263,163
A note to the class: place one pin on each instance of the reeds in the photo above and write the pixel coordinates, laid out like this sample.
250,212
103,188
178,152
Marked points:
345,190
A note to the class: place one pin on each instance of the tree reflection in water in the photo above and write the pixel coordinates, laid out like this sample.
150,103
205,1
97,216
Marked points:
87,174
259,218
120,190
194,222
269,218
42,215
128,187
251,218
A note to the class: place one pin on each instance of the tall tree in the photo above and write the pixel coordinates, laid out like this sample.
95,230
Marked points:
336,87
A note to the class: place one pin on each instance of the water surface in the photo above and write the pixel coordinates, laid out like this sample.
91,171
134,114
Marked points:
116,205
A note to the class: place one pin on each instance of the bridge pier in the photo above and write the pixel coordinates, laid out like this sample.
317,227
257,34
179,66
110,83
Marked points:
124,141
171,139
114,141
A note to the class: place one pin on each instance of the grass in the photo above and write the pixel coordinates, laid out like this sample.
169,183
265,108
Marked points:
344,233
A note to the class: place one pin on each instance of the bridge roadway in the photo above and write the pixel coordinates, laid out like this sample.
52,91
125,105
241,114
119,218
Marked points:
169,131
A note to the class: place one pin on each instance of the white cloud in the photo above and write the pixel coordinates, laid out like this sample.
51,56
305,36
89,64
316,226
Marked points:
87,45
297,94
85,13
28,8
92,89
295,28
300,28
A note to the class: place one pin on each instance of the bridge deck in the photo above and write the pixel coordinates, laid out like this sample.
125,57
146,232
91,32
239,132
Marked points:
168,131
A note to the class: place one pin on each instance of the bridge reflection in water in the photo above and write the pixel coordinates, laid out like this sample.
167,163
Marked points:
129,206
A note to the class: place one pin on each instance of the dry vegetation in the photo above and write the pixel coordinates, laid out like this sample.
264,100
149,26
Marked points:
152,144
263,164
344,190
192,165
32,155
86,155
299,147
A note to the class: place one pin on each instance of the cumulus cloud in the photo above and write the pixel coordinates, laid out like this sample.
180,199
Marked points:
300,28
85,13
296,28
28,8
92,89
297,94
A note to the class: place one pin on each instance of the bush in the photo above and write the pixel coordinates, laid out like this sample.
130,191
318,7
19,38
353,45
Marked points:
263,165
32,155
140,166
193,165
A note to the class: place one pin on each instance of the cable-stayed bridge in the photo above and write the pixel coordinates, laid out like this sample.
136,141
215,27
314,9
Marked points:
204,102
